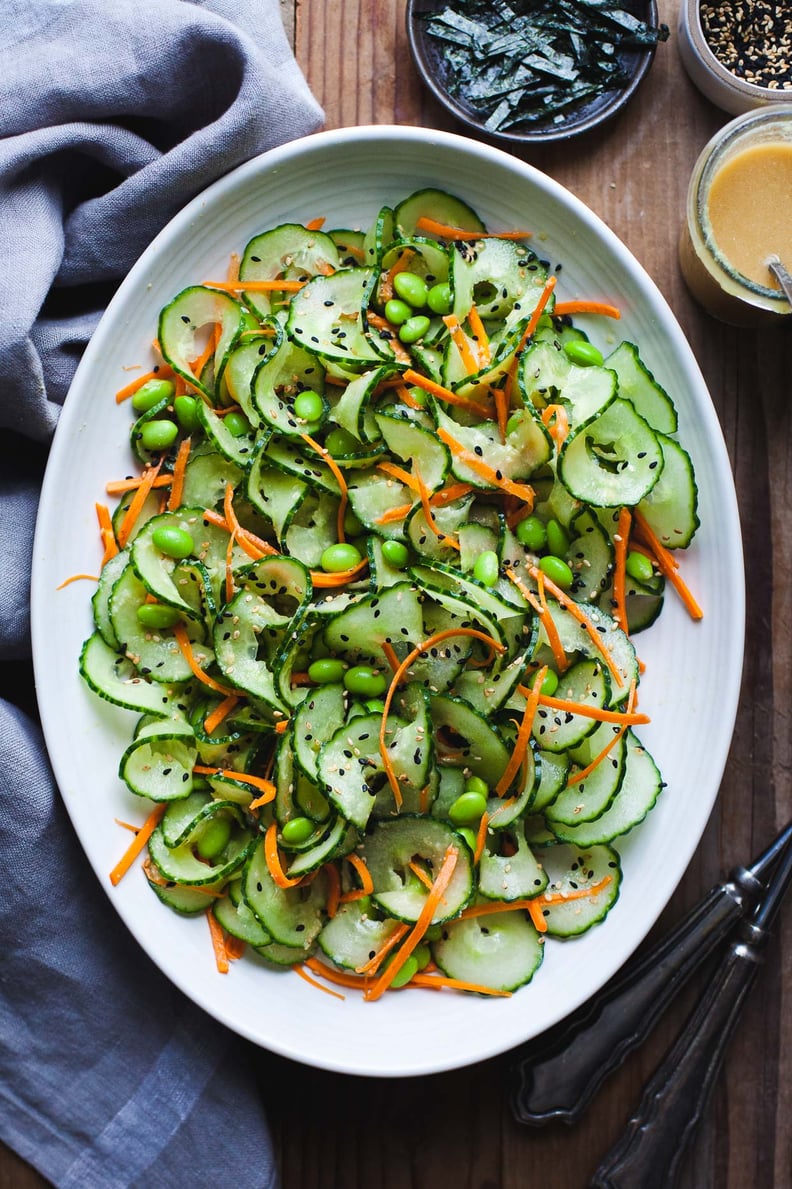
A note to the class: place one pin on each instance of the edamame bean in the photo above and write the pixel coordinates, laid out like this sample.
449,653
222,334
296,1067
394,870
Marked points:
342,556
236,424
556,570
173,541
414,328
557,540
438,298
418,395
340,441
486,567
395,553
475,784
297,830
397,311
159,434
583,353
308,406
406,972
157,615
639,567
326,670
411,288
532,533
186,410
467,809
151,393
214,837
550,683
422,955
362,679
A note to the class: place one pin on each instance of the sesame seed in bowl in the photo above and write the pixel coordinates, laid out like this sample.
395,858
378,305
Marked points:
739,54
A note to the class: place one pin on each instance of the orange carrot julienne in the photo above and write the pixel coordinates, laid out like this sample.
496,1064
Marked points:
479,333
620,541
442,537
577,613
163,372
273,859
405,396
339,478
389,332
220,713
523,740
420,874
218,943
359,864
397,472
186,649
446,394
274,286
136,846
462,343
390,655
400,265
444,231
481,837
258,782
298,969
179,468
325,580
432,981
599,713
77,578
122,486
555,418
501,410
576,893
667,564
521,490
106,533
586,307
584,773
339,977
315,224
375,961
136,504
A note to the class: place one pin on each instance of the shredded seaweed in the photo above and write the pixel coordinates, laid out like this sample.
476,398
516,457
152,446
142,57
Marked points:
519,63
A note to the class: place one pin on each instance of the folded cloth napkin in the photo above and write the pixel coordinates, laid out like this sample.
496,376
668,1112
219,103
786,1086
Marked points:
112,115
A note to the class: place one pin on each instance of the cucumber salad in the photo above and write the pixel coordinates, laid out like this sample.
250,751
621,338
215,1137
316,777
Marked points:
372,596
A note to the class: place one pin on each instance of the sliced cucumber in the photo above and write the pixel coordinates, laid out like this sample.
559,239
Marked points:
500,951
388,850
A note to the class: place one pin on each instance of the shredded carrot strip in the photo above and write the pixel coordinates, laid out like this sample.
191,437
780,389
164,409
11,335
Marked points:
424,223
404,395
537,916
220,713
521,490
282,726
422,875
429,516
339,977
462,343
235,947
400,265
586,307
126,825
322,580
258,782
447,394
596,712
333,890
315,224
298,969
390,655
531,325
179,468
122,486
257,286
620,542
366,882
548,623
419,929
399,350
397,472
339,478
136,503
575,611
439,980
667,564
106,534
576,893
557,422
429,642
218,943
161,373
501,410
77,578
197,365
252,545
185,647
374,963
523,739
136,846
481,837
273,859
583,773
481,337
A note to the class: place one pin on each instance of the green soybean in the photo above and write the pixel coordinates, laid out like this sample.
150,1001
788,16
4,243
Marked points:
438,298
532,533
411,288
486,567
308,406
583,353
186,410
342,556
557,539
159,434
395,554
326,670
550,683
422,955
340,441
639,567
467,808
406,972
157,615
151,393
556,570
414,328
173,541
397,311
236,424
297,830
418,395
362,679
214,837
475,784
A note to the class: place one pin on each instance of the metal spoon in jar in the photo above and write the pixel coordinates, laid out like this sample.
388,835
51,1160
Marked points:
782,275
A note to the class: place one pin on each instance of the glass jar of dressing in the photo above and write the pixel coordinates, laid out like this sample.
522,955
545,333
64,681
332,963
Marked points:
739,213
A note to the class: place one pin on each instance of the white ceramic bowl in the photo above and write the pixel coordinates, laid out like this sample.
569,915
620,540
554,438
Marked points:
692,677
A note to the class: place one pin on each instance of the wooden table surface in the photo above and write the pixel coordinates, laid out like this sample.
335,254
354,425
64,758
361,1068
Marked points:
456,1130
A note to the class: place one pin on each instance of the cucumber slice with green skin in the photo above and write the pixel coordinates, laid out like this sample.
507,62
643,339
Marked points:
464,737
640,787
327,318
180,865
159,411
486,691
100,601
300,461
350,245
319,716
353,412
528,446
292,916
441,664
501,951
379,236
576,640
353,936
279,380
284,582
389,848
184,821
381,572
151,507
590,797
490,274
240,922
273,492
115,679
155,654
237,449
206,477
426,258
247,637
289,251
187,902
613,460
391,616
430,458
590,557
574,869
547,376
671,507
158,763
451,784
447,519
312,526
279,957
372,495
181,321
553,773
476,601
243,363
434,204
338,838
156,571
558,730
638,385
514,876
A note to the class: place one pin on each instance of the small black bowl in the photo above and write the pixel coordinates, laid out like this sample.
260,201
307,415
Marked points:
429,59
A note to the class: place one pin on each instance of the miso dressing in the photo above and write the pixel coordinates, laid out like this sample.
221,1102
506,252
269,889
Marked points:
749,209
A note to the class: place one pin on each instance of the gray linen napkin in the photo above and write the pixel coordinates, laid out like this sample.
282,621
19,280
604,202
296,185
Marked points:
113,113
